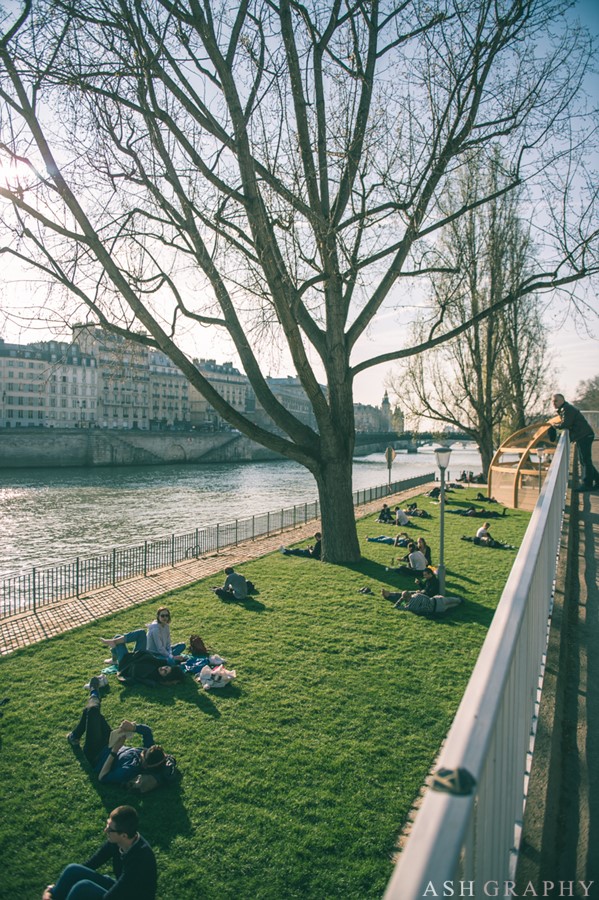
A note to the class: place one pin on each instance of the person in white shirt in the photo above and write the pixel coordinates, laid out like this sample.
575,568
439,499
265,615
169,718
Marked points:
416,562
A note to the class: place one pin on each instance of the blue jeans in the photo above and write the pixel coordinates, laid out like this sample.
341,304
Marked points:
139,636
80,883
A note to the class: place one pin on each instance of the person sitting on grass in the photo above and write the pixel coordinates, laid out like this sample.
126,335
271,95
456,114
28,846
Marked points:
234,588
105,751
133,865
429,583
485,539
313,552
156,641
424,548
401,540
385,515
416,562
413,510
419,603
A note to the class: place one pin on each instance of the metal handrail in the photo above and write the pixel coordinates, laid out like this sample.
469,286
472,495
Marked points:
474,837
40,587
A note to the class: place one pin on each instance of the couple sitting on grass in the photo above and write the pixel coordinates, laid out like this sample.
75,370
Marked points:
484,538
153,660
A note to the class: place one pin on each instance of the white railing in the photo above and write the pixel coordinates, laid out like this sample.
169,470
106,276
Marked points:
474,838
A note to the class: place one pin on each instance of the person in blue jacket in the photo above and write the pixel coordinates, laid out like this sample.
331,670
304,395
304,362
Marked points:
105,749
133,865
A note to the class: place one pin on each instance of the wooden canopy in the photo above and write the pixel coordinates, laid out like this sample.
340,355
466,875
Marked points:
520,465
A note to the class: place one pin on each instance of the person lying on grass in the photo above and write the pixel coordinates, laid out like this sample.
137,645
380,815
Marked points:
133,865
156,641
475,513
142,768
142,667
402,539
418,603
313,552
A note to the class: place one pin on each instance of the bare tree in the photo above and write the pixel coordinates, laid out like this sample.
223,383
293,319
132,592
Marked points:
490,378
587,394
276,171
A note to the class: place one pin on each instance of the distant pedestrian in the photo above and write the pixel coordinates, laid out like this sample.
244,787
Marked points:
581,433
133,865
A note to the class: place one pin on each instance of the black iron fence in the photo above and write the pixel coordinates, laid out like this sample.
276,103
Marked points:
42,587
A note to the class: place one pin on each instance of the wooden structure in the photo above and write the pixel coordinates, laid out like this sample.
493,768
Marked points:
520,465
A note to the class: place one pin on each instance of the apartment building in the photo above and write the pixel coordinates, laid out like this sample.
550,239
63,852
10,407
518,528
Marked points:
50,384
169,393
230,383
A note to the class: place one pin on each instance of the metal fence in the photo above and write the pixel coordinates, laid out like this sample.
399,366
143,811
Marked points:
473,838
42,587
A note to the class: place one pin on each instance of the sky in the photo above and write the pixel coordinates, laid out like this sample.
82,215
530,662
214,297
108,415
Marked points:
573,353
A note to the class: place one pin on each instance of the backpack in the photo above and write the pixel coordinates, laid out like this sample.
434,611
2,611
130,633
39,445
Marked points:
197,647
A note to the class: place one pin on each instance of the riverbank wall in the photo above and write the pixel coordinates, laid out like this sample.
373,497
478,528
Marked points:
41,448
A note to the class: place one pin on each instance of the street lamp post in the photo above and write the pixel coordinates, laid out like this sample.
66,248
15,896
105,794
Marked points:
442,454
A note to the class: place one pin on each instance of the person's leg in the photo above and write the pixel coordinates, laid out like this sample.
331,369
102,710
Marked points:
89,890
177,649
139,636
74,874
97,730
445,603
391,595
223,594
585,452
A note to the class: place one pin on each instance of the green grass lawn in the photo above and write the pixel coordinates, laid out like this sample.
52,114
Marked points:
297,777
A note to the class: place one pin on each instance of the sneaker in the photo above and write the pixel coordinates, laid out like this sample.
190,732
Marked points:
102,681
73,741
93,684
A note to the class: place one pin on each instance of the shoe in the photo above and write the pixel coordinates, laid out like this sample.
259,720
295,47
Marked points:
109,662
93,684
102,681
73,741
387,569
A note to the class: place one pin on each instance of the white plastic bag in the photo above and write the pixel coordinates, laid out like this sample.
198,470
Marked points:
218,677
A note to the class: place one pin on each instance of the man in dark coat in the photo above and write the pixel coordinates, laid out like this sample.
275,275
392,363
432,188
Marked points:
581,433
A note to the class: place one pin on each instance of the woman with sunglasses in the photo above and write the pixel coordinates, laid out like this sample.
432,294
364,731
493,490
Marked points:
156,641
159,638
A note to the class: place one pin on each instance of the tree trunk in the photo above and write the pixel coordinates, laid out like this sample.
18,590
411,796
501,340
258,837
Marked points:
340,540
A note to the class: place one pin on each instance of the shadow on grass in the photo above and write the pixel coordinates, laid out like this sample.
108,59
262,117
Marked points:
165,804
166,695
250,603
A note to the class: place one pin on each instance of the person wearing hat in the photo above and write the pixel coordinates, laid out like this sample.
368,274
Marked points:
105,749
571,419
133,865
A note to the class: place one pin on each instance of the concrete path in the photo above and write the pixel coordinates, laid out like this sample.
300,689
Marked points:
561,826
29,628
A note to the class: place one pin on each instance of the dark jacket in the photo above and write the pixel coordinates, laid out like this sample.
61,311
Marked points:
135,872
141,666
575,422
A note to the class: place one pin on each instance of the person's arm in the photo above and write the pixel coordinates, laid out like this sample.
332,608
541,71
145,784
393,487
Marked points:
101,856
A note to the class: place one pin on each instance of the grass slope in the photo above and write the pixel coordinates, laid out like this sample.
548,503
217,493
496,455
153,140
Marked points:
298,777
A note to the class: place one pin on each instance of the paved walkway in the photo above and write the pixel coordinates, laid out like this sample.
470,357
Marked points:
29,628
561,825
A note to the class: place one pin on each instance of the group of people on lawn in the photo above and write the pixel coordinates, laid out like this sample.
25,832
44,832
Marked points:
153,660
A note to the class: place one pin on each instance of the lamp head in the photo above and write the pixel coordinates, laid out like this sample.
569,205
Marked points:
442,455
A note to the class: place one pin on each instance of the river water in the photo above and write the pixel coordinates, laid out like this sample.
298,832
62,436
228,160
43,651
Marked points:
49,516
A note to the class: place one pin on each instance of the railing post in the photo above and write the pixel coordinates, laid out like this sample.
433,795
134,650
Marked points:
294,514
236,532
33,591
145,558
77,578
268,524
197,543
305,513
113,566
173,550
217,537
282,517
253,528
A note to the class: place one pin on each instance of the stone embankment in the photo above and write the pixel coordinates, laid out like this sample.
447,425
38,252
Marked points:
45,447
